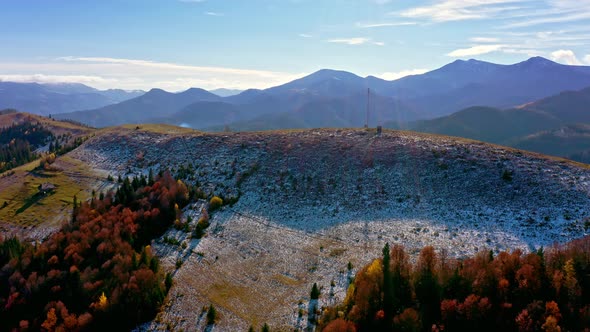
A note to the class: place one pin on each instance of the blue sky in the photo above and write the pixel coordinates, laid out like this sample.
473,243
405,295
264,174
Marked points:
176,44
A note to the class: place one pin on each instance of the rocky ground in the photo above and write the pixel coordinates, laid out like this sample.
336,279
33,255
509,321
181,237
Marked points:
311,201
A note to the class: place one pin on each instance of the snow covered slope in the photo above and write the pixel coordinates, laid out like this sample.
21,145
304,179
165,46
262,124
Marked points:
311,201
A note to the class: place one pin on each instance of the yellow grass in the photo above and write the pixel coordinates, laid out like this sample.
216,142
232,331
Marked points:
288,281
26,207
151,128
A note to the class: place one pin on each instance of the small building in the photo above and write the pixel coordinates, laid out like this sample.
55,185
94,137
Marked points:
46,188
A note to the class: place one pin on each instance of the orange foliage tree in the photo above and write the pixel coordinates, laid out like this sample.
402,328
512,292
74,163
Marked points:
547,290
97,269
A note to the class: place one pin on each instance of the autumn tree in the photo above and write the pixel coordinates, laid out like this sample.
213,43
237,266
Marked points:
340,325
90,273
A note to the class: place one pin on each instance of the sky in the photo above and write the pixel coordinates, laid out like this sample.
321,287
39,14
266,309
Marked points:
177,44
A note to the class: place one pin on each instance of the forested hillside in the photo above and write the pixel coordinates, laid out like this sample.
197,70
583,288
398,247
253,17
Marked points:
18,143
98,269
512,291
26,137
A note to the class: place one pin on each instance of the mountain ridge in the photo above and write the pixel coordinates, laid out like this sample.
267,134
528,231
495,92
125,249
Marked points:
54,98
443,91
532,126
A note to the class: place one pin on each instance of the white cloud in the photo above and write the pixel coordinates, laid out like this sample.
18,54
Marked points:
214,14
304,35
551,12
383,24
514,13
475,50
587,59
350,41
565,56
390,76
456,10
551,18
355,41
540,42
171,66
526,51
103,73
42,78
484,40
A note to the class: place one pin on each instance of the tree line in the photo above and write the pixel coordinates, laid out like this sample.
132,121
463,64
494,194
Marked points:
18,142
511,291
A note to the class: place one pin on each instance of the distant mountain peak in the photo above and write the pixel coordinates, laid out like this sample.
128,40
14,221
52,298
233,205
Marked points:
327,71
198,93
468,65
223,92
193,90
537,61
155,90
332,73
477,62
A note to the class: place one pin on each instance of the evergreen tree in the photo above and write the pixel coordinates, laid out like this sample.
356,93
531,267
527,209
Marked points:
388,297
168,281
211,315
151,177
427,287
74,209
315,292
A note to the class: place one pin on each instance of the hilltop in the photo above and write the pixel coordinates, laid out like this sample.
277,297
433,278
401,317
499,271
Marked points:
10,117
307,202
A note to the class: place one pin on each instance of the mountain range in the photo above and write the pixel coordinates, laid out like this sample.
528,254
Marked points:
558,125
53,98
523,105
154,104
330,98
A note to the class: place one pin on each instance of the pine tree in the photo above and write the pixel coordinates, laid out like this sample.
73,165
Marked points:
75,208
388,297
168,281
151,177
315,292
211,315
427,287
